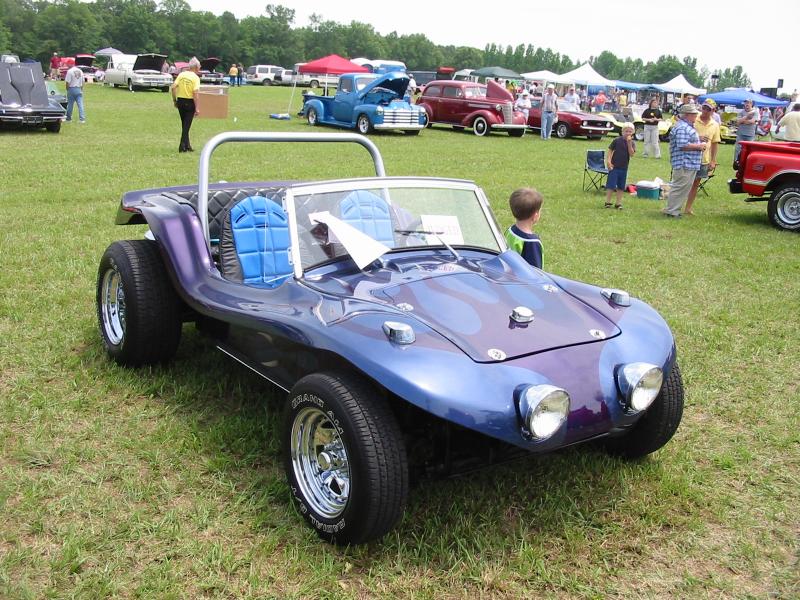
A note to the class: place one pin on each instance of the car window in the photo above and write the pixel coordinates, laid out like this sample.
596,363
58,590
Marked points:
346,85
396,216
475,92
433,90
453,92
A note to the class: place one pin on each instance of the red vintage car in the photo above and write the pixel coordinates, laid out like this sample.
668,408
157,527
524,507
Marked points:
462,104
571,121
83,61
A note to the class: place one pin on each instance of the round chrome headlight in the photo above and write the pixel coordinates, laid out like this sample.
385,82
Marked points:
639,384
544,408
498,107
379,110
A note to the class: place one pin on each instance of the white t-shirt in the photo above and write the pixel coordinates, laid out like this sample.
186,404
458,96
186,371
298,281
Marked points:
74,78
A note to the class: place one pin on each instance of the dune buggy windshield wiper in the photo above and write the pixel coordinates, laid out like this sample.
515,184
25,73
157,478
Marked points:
437,234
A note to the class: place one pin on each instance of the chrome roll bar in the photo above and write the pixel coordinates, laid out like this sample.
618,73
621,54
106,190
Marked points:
263,136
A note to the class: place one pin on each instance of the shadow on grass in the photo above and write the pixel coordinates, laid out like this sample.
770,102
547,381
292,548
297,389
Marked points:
235,416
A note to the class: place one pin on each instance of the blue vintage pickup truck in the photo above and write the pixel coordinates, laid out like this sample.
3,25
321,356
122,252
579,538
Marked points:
367,101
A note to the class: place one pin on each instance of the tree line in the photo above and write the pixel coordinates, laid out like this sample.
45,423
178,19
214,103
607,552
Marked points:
37,28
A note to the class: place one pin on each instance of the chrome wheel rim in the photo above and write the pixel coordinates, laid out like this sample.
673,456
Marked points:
363,125
312,117
789,208
320,463
480,127
112,306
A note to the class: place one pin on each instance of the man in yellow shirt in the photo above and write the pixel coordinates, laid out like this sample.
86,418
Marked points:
708,130
184,97
791,123
233,72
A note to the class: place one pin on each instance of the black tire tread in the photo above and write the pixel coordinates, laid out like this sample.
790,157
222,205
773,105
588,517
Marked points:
384,462
657,426
772,206
153,322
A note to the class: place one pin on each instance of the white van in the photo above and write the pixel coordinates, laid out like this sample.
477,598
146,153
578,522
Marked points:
264,74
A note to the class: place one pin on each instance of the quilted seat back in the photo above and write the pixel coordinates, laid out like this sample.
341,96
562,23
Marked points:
369,214
259,231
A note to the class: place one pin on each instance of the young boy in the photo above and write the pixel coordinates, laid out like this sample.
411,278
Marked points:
619,155
526,206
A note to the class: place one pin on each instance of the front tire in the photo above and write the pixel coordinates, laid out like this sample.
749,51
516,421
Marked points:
783,208
345,459
138,310
54,127
312,117
562,130
130,85
363,124
657,426
638,132
480,127
266,81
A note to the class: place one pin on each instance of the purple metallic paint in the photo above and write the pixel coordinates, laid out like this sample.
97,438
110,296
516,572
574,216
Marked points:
339,311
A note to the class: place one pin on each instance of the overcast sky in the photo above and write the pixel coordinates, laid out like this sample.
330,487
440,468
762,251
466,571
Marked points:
760,37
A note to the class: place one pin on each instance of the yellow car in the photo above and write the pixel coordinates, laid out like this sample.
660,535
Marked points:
617,119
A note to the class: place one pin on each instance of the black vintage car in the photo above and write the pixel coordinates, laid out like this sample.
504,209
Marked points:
24,100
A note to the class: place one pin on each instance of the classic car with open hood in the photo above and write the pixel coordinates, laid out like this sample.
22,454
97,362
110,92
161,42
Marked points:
404,332
366,102
138,72
462,104
24,98
208,73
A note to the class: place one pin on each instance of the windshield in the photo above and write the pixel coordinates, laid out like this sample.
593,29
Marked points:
364,81
365,222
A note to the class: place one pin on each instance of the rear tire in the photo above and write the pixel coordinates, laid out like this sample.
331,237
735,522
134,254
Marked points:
657,426
138,310
562,130
783,208
638,132
516,132
266,81
344,457
130,85
313,84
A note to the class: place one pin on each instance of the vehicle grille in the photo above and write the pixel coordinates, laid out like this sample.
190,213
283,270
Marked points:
508,114
400,116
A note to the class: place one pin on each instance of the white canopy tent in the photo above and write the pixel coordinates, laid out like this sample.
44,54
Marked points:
544,75
679,85
584,75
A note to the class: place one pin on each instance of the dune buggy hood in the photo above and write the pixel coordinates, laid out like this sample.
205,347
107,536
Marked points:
395,81
474,311
149,62
209,64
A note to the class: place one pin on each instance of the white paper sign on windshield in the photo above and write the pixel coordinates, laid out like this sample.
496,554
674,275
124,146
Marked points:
361,248
448,225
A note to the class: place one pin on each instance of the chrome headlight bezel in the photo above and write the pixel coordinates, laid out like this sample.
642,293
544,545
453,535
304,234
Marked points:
639,384
543,409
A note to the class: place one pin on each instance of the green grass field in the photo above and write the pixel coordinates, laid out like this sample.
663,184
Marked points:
167,483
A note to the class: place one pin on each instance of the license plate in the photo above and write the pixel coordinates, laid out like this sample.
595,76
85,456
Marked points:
33,120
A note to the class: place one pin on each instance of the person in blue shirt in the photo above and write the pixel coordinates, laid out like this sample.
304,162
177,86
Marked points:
526,206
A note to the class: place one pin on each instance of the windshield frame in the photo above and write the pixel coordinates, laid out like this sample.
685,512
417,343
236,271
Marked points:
369,183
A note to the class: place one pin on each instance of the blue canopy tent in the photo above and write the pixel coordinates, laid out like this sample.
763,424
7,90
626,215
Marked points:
737,96
629,85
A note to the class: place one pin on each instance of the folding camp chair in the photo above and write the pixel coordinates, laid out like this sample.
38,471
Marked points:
703,182
596,168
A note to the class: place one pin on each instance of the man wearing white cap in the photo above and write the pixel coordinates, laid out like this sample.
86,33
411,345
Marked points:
686,151
523,104
549,108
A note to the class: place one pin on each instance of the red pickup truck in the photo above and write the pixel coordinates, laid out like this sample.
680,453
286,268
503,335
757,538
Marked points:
770,171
